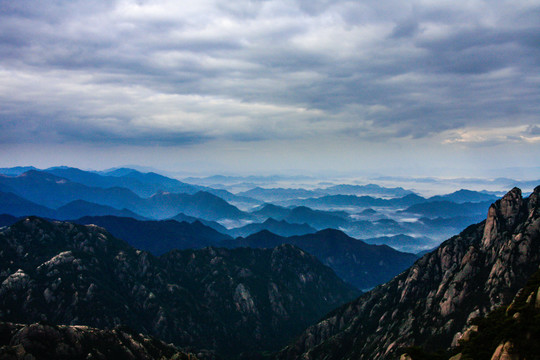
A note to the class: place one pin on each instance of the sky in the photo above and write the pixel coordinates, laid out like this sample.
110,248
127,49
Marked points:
419,88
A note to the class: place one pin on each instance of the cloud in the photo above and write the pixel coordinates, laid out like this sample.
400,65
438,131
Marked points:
533,130
182,73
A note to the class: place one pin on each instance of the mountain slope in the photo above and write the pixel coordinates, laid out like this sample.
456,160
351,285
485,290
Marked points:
80,208
17,206
360,201
369,189
7,220
142,184
464,196
191,219
200,205
224,300
281,228
53,191
271,211
316,218
508,332
42,341
277,194
468,275
353,260
446,209
158,237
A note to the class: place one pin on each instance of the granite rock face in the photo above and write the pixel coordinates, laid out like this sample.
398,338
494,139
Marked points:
225,301
509,332
468,276
41,341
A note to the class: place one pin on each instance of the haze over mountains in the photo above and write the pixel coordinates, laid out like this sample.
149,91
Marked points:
228,301
435,300
176,261
70,193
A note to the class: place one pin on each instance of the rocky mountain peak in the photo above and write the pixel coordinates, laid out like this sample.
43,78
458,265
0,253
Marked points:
533,205
503,215
224,300
467,276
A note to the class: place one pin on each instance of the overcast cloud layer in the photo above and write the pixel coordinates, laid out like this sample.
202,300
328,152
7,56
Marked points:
451,75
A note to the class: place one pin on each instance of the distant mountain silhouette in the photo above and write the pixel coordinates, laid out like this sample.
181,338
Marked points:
52,191
191,219
278,227
316,218
18,206
278,194
232,198
80,208
158,237
369,189
464,196
446,209
142,184
201,205
7,220
271,211
17,170
353,260
404,243
353,200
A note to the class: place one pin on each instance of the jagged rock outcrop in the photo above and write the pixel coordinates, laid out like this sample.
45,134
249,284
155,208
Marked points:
223,300
508,333
467,276
42,341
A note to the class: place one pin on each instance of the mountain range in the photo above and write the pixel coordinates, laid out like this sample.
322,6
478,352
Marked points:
225,300
142,184
157,237
181,276
278,227
69,193
356,262
353,260
52,192
435,300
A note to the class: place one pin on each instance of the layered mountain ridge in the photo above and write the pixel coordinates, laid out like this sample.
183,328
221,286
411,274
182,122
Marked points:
467,276
225,300
47,341
358,263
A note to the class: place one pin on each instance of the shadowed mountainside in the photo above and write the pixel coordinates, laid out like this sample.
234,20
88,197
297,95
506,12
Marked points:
467,276
227,301
356,262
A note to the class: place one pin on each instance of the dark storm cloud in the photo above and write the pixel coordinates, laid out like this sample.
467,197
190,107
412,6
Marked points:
405,29
167,72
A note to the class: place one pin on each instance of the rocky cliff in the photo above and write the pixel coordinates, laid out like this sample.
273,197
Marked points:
467,276
42,341
227,301
508,333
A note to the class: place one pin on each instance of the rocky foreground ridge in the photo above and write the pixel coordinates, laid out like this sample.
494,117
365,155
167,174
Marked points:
468,276
42,341
509,332
227,301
